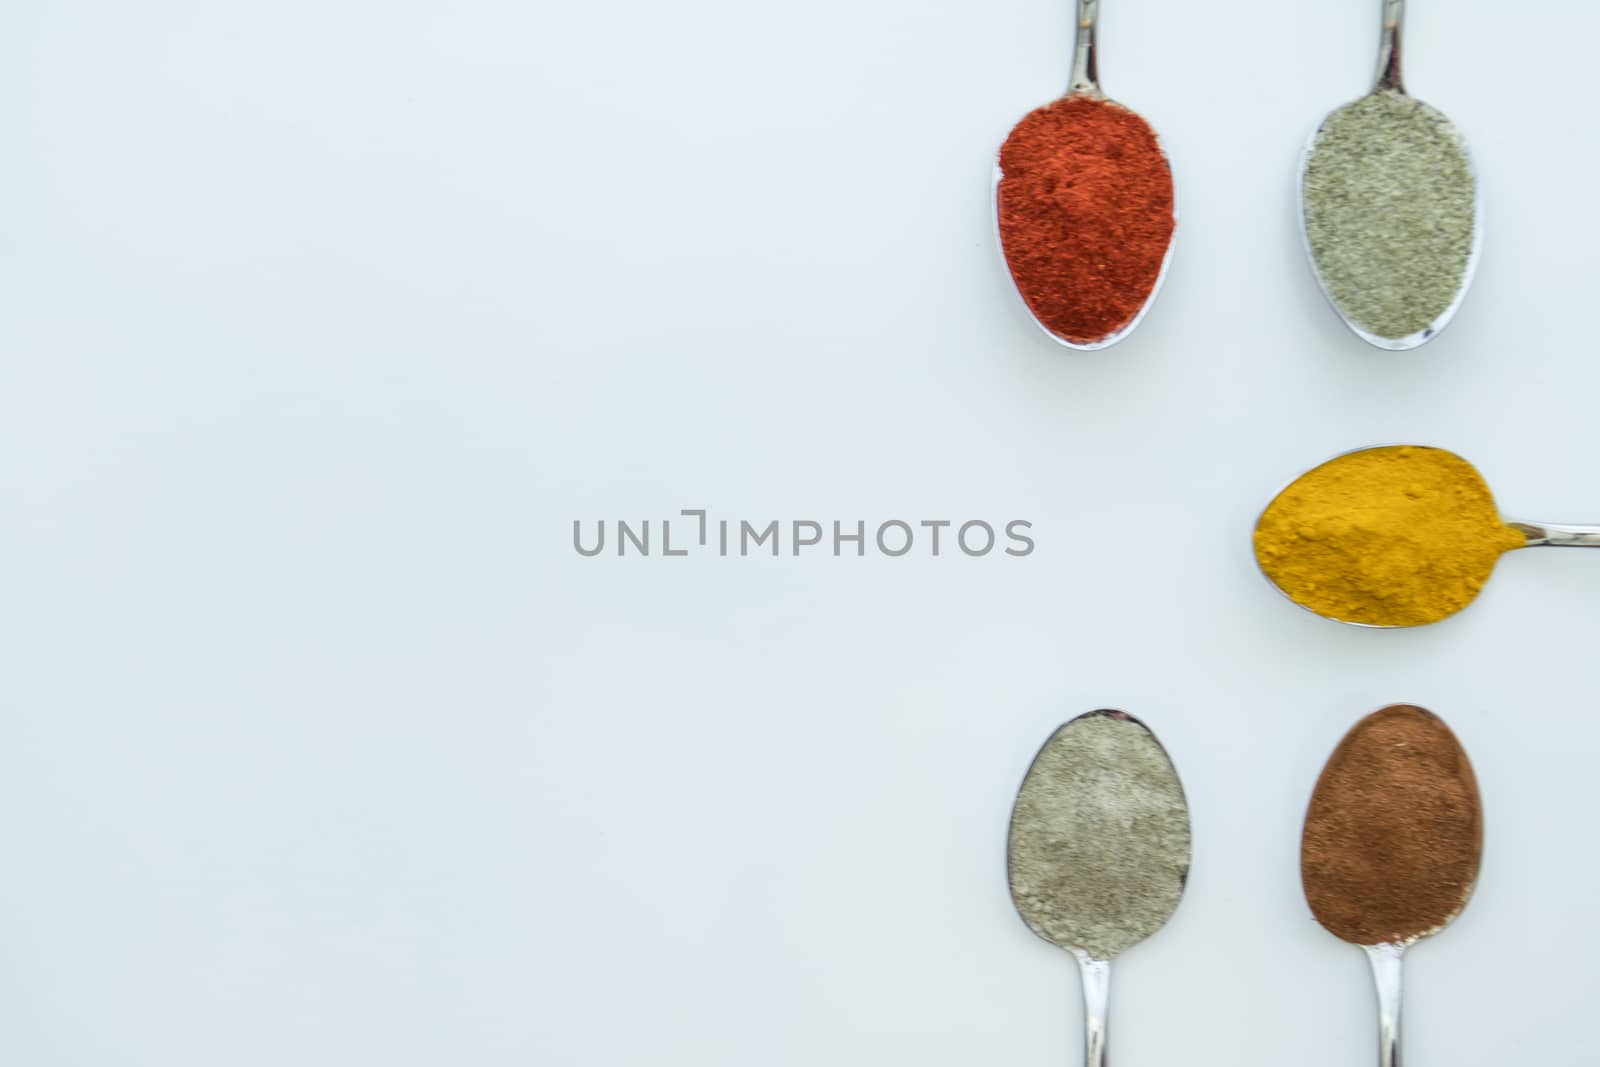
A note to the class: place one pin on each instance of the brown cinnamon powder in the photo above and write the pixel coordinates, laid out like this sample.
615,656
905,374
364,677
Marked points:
1394,833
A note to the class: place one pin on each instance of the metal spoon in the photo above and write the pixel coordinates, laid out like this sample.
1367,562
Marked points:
1353,843
1388,80
1086,83
1533,534
1098,852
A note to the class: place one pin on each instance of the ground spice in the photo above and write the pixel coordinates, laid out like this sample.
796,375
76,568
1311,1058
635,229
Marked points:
1086,215
1099,846
1389,204
1394,536
1394,833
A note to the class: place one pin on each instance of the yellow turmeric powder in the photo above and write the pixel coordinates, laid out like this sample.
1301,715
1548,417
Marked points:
1394,536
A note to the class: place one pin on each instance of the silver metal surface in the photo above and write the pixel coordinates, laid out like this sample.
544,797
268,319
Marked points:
1385,960
1558,536
1096,1003
1085,69
1394,14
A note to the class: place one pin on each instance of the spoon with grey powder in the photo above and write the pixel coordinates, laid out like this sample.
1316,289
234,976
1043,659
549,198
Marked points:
1099,849
1389,208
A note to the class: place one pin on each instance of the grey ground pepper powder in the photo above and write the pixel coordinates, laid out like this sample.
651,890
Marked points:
1389,201
1099,849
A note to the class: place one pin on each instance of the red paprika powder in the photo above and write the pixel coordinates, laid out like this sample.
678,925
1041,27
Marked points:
1086,215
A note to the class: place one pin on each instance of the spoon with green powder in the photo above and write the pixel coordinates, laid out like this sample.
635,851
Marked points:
1099,849
1392,844
1398,535
1389,208
1084,208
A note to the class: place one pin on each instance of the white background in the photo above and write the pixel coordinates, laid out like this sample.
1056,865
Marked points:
321,321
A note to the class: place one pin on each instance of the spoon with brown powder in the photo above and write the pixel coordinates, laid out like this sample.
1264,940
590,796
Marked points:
1392,844
1098,853
1399,535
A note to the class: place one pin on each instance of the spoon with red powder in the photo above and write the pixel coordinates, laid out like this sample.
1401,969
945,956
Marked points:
1084,206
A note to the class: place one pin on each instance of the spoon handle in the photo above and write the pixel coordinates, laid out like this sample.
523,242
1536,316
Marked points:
1394,13
1096,997
1549,533
1085,70
1385,960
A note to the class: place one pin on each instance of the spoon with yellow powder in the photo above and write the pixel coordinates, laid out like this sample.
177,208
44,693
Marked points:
1399,535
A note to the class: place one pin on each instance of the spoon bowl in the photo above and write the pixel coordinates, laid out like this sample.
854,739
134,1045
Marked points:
1392,844
1098,850
1391,253
1115,335
1084,296
1392,536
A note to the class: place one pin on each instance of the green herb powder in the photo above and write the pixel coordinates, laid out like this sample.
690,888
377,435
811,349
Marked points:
1389,200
